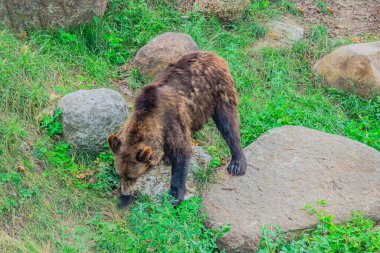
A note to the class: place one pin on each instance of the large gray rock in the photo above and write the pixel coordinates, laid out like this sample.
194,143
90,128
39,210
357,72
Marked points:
157,180
162,50
89,116
50,13
226,11
353,68
289,167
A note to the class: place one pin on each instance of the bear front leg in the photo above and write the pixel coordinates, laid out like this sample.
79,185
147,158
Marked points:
226,120
180,168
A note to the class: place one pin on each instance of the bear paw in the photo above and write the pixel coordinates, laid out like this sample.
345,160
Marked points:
177,196
237,167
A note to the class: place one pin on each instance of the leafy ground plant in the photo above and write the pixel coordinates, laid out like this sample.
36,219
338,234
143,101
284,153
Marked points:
357,235
98,175
155,226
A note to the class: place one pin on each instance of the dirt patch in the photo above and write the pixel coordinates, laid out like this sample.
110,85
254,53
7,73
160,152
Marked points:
353,18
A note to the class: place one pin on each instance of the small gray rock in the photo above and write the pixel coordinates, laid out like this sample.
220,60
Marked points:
162,50
286,32
157,180
200,158
89,116
281,34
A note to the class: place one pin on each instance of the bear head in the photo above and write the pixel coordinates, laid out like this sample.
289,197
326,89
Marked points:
131,162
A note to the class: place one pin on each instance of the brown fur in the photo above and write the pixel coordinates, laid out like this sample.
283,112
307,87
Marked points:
180,101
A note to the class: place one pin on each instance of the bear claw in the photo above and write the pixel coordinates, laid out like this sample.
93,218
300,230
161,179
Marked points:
237,167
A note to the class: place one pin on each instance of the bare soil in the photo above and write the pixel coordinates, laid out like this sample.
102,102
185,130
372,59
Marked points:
352,18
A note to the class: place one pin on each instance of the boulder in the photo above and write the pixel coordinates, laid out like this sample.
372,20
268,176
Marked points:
89,116
354,68
162,50
157,180
281,34
289,167
226,11
50,13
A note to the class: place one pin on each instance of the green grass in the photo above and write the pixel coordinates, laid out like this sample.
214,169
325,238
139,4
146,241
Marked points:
359,234
158,227
57,199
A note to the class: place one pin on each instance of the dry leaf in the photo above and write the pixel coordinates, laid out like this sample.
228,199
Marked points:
273,36
53,96
21,168
90,173
92,180
300,9
124,89
329,9
23,35
194,143
24,49
356,40
80,176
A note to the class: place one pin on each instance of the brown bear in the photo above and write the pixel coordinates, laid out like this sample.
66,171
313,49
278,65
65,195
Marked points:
180,101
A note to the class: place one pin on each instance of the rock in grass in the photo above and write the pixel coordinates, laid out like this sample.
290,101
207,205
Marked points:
50,13
157,180
289,167
354,68
89,116
281,34
226,11
162,50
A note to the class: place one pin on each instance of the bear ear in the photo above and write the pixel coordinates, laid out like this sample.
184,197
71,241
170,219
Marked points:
114,143
146,155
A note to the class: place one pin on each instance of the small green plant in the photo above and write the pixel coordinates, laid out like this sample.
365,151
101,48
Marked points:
216,160
52,124
290,7
323,7
115,48
99,175
259,5
15,192
156,226
106,178
204,177
66,37
357,235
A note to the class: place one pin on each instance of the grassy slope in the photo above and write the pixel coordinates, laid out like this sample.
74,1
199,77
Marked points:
40,211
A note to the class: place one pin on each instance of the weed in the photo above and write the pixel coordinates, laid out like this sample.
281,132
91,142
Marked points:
290,7
15,192
322,6
157,226
52,123
357,235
